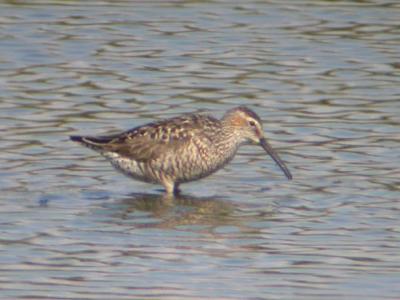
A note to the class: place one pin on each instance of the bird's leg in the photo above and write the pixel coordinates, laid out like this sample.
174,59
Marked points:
177,190
169,186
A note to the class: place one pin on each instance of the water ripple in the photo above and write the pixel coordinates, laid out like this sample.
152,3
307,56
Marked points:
323,76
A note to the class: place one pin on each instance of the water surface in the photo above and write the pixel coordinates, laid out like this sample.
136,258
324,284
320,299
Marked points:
323,76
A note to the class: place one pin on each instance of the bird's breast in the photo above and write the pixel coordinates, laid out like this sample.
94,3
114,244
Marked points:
197,160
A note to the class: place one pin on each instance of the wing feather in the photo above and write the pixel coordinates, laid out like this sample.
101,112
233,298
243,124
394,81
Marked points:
150,141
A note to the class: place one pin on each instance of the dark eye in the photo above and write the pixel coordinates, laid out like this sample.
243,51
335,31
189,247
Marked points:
252,123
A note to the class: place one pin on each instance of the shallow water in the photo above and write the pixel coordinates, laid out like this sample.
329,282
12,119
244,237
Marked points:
324,77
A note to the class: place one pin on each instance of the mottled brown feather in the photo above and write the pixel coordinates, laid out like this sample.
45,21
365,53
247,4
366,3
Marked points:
148,142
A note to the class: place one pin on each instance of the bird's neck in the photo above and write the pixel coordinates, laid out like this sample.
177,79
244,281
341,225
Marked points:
229,139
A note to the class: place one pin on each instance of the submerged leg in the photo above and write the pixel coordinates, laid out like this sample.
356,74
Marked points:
177,190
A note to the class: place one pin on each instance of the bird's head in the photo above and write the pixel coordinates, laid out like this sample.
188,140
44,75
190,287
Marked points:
248,127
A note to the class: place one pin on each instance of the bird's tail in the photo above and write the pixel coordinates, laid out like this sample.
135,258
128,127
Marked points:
95,143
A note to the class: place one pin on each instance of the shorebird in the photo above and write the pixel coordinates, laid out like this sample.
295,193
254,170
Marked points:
182,149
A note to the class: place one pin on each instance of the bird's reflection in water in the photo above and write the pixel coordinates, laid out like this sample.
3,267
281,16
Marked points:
161,212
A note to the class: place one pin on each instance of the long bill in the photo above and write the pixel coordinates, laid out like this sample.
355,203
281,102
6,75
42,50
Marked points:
267,147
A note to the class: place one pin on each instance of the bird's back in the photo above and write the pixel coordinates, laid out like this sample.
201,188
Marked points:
183,148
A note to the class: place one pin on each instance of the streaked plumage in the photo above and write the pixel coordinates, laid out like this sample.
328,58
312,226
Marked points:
181,149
